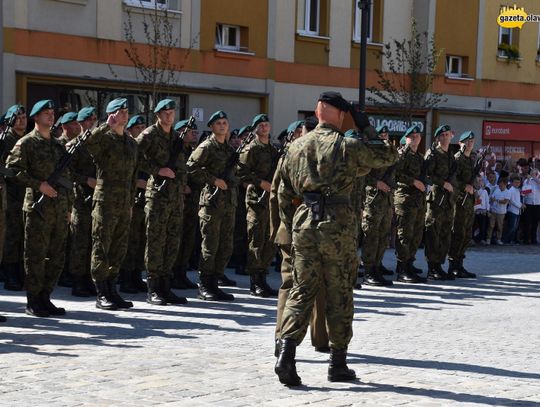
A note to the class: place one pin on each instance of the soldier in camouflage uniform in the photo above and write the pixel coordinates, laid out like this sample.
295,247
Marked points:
410,205
319,169
464,208
207,166
12,261
115,154
33,159
191,219
70,127
130,278
440,165
164,202
256,169
376,219
84,175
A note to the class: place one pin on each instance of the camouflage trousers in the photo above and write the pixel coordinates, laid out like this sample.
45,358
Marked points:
81,240
376,222
317,325
163,233
189,232
14,244
322,258
410,222
110,233
261,250
217,226
134,259
439,221
462,228
44,246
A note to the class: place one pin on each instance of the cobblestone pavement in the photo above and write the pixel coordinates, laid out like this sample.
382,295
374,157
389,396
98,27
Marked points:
465,342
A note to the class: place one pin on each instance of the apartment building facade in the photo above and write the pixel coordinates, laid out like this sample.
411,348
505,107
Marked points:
276,56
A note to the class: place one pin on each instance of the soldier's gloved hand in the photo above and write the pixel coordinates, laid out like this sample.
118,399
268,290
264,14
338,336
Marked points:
265,185
166,172
361,120
221,184
47,190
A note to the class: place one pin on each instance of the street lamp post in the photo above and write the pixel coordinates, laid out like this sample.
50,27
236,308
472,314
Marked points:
364,6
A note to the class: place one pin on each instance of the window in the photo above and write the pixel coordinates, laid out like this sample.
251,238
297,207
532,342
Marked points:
161,4
311,17
505,36
228,37
454,66
358,22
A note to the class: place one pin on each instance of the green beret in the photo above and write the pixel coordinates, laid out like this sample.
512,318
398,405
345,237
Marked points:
234,133
294,125
382,129
411,130
335,99
441,129
245,129
86,113
352,133
183,123
220,114
466,136
260,118
116,104
68,117
403,140
283,134
165,104
135,121
15,109
42,105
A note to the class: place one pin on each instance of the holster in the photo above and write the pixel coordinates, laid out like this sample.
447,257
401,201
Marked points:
315,201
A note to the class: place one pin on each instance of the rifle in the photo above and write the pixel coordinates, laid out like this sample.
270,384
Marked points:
228,172
6,172
56,179
177,148
478,164
451,176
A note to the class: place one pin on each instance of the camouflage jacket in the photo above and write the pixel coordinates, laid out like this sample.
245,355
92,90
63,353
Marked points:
256,164
33,159
408,168
115,157
440,169
372,193
208,162
82,167
15,192
464,172
323,161
154,146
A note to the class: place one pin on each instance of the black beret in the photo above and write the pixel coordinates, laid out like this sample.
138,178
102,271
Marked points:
335,99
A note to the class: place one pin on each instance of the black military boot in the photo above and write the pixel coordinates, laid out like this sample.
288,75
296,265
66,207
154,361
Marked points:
126,282
415,269
435,272
35,307
206,288
49,306
272,292
259,287
286,364
12,281
224,281
155,295
80,287
407,275
115,297
384,271
276,347
457,269
66,279
221,295
103,297
181,280
374,278
338,370
449,276
138,282
169,295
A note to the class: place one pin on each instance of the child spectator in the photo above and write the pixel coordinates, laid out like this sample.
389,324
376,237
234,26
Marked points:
513,211
531,198
498,202
491,182
481,209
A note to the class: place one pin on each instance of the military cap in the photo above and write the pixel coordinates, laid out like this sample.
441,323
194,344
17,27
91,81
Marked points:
441,129
117,104
352,133
135,121
165,104
403,140
411,130
335,99
68,117
311,122
42,105
260,118
382,129
86,113
220,114
466,136
294,125
183,123
245,129
15,109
